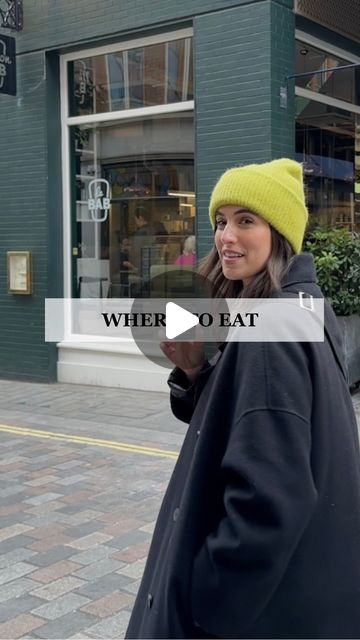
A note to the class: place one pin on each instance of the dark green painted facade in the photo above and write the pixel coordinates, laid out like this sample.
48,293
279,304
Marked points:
242,58
243,52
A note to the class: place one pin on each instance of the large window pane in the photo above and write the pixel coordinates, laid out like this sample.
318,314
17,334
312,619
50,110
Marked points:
133,204
326,139
342,84
142,77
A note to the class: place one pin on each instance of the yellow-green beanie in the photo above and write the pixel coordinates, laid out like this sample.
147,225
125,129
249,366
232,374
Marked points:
274,190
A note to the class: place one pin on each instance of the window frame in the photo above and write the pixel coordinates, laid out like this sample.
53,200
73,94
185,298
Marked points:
131,114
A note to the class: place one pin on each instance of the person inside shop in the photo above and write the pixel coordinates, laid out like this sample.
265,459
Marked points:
126,267
258,535
188,255
143,236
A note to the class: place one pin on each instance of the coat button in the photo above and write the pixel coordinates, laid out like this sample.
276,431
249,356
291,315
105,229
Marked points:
198,433
176,514
150,600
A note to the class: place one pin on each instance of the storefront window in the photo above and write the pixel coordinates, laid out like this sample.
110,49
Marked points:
133,202
343,84
327,136
326,139
140,77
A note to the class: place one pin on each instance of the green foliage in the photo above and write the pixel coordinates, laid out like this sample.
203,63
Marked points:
337,259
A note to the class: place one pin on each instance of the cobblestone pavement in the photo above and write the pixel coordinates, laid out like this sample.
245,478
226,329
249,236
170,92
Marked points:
77,513
83,470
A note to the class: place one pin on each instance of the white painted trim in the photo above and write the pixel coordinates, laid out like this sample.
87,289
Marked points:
65,169
334,102
131,114
87,362
88,343
80,365
130,44
325,46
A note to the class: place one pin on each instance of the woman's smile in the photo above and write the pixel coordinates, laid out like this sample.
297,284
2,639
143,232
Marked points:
231,257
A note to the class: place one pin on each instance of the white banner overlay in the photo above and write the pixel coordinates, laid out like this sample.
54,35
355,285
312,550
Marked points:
298,319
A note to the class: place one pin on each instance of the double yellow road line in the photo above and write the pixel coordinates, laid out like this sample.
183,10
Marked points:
95,442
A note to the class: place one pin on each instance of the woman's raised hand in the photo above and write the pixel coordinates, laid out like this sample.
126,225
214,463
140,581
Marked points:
188,356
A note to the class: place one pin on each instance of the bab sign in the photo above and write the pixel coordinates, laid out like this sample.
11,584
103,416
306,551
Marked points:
7,65
99,199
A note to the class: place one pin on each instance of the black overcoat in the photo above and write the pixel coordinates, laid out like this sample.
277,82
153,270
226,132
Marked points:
258,535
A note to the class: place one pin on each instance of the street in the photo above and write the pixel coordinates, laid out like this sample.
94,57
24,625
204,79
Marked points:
83,472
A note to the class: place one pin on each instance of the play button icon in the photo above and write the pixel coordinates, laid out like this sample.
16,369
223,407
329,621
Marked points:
175,304
178,320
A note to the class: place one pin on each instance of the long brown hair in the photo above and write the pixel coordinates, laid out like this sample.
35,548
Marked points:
263,285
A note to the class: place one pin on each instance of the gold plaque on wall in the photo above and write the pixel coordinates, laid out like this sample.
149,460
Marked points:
19,272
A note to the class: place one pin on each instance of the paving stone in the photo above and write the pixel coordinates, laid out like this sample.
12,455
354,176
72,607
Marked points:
76,496
113,627
14,530
19,626
105,585
67,625
134,569
59,607
42,546
99,569
109,605
112,517
39,482
14,556
13,508
132,552
47,531
55,571
14,571
126,539
58,587
40,509
149,528
13,460
52,556
12,491
94,554
84,529
124,526
71,479
47,518
81,516
15,606
45,497
132,587
68,465
89,541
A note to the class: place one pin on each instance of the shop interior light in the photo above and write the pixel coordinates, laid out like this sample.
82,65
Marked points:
181,194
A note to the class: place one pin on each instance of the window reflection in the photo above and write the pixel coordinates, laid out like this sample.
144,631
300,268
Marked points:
147,166
326,139
341,84
141,77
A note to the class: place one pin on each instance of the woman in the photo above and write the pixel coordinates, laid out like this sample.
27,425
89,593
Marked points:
188,256
259,532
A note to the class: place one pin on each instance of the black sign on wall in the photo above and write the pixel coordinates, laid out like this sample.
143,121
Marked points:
7,65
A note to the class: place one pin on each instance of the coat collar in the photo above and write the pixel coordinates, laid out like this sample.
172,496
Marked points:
302,270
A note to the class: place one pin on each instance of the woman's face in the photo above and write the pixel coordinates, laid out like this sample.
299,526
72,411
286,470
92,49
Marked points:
243,241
